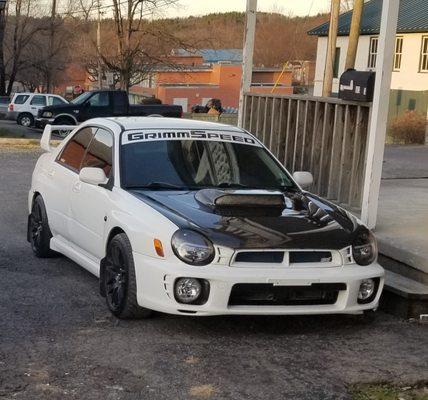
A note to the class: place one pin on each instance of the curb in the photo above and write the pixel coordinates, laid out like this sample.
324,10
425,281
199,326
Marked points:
19,141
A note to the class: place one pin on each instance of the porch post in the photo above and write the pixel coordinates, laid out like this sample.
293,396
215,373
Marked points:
379,112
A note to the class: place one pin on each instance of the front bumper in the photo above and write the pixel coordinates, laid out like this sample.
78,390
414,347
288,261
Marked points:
156,277
42,122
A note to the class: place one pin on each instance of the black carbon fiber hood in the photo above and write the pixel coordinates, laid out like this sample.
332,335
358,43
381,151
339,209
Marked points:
306,222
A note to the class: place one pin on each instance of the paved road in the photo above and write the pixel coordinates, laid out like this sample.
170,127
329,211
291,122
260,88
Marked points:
403,162
19,131
57,341
403,205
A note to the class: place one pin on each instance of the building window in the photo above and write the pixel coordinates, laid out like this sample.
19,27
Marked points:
398,53
336,62
373,52
424,55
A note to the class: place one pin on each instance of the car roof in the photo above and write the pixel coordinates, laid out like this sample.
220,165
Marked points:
35,94
134,123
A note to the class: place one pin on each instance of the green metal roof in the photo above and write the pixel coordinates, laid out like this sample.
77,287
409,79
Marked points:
412,17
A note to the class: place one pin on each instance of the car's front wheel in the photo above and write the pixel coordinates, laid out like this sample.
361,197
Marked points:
39,234
119,282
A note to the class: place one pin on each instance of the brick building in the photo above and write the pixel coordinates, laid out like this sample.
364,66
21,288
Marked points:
199,76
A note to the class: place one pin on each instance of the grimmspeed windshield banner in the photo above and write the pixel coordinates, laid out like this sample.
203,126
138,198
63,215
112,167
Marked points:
152,135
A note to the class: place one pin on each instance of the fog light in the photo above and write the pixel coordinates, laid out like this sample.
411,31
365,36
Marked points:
187,290
367,288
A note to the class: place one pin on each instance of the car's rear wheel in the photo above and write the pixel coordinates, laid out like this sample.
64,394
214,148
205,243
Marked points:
25,119
119,283
39,233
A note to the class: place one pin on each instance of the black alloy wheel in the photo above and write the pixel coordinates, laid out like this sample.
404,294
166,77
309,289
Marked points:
39,234
118,280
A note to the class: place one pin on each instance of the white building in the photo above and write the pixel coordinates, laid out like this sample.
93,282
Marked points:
410,74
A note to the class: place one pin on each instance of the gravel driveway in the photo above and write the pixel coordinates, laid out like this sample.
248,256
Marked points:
57,341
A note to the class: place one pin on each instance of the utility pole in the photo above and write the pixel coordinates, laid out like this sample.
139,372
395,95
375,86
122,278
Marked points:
100,69
354,34
331,48
3,8
51,46
247,55
379,112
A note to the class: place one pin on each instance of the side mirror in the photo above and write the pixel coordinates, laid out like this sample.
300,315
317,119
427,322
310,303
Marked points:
303,178
93,176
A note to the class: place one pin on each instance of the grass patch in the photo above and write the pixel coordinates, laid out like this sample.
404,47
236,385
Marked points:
386,391
13,144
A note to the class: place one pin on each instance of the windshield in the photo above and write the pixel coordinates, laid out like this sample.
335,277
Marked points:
196,164
82,98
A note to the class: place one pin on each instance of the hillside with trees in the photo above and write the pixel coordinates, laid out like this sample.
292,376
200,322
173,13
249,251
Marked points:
278,37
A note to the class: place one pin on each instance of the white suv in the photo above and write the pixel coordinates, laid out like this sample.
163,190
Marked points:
24,106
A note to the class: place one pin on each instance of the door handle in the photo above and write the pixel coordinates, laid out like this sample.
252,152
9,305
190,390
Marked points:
51,173
76,187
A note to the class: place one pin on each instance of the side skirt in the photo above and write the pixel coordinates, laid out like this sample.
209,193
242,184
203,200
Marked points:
76,254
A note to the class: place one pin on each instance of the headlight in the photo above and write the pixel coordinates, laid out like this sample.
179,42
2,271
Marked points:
47,114
192,247
364,248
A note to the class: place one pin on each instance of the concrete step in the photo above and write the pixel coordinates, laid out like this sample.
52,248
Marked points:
403,296
400,268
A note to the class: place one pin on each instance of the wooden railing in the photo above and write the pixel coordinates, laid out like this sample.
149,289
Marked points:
325,136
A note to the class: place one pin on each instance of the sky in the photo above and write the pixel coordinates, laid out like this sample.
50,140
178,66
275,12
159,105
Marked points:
185,8
293,7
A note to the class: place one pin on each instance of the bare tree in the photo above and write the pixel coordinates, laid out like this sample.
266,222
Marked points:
25,46
2,62
20,29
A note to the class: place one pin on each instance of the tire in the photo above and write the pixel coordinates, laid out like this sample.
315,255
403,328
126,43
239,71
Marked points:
25,119
64,121
118,280
39,233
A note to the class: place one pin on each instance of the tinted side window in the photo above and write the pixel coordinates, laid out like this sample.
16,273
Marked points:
100,152
99,100
120,103
73,152
38,101
21,99
54,101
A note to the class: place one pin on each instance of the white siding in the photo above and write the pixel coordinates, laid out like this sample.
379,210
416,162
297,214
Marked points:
181,101
408,78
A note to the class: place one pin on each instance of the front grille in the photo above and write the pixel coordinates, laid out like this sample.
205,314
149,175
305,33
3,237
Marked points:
260,257
266,294
290,257
309,256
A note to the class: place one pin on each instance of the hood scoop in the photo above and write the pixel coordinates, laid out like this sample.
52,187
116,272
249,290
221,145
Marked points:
242,202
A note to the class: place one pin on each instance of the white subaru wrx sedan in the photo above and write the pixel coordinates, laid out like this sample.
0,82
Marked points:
196,218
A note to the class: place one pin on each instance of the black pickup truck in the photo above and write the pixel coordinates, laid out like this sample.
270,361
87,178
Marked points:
101,103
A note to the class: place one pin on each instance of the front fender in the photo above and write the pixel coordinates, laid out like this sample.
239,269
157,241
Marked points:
141,222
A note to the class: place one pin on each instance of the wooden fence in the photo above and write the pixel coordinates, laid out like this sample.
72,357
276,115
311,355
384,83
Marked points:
325,136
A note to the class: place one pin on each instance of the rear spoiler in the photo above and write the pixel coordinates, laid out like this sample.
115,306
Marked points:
45,141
